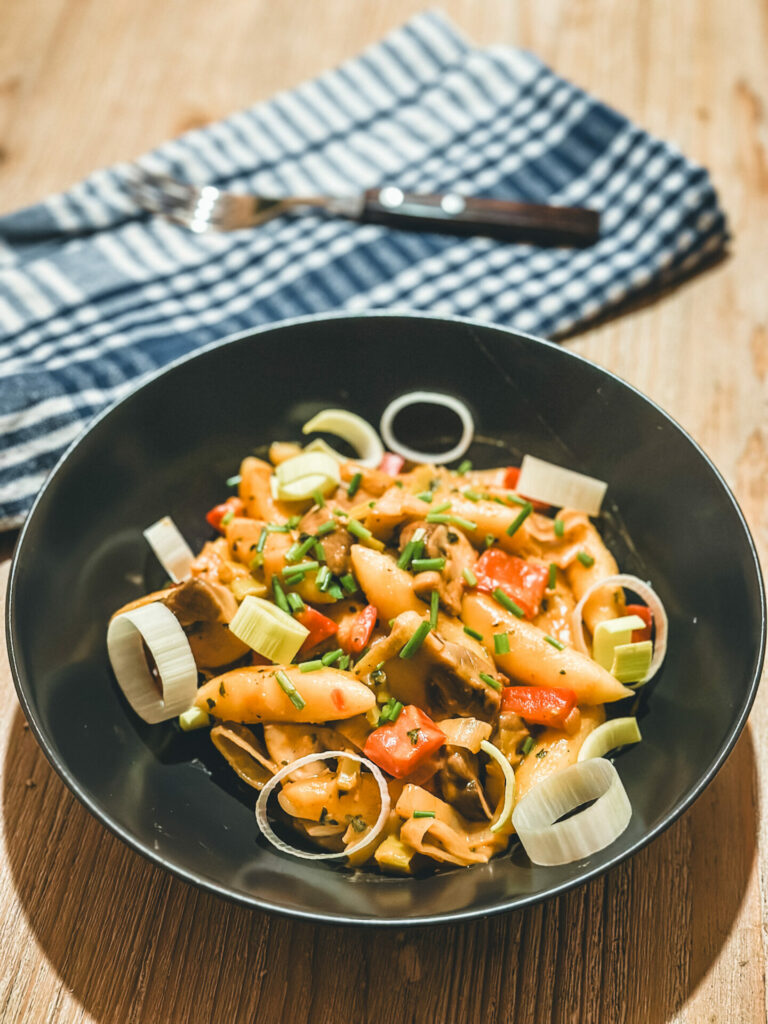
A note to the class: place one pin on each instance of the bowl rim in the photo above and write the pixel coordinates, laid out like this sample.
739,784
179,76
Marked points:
256,902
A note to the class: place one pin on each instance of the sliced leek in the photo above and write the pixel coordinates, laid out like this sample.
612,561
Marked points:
368,836
611,634
348,775
632,661
268,630
350,428
505,815
618,732
394,855
563,488
194,718
299,478
427,398
550,841
172,551
157,627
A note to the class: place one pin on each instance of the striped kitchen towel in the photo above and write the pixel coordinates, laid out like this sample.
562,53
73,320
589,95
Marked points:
95,294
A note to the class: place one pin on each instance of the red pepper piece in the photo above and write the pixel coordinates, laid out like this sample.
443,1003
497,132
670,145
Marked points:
404,747
357,635
391,463
320,627
646,615
525,582
540,705
511,477
218,512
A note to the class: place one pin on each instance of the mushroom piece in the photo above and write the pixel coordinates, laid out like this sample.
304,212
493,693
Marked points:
460,785
336,544
455,686
442,542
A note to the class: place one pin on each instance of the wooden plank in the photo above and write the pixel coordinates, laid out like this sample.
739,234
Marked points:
91,932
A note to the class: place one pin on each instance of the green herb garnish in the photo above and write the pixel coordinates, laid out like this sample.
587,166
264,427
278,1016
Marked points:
518,521
354,485
473,633
506,602
287,686
501,643
490,681
416,641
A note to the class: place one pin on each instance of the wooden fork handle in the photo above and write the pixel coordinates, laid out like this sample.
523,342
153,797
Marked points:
455,214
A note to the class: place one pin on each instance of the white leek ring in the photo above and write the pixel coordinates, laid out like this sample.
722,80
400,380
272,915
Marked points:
549,841
618,732
350,428
427,398
644,591
280,844
509,784
159,629
561,487
172,551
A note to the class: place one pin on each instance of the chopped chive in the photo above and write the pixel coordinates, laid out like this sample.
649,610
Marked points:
297,551
493,683
318,551
559,527
552,582
262,539
425,564
425,496
470,577
555,643
416,641
438,517
226,519
295,603
473,633
354,485
501,643
339,512
287,686
278,528
471,495
328,527
300,567
583,556
318,499
256,562
390,711
279,594
405,555
324,577
506,602
332,656
394,714
335,591
520,519
434,606
489,539
442,507
464,467
310,666
349,583
344,661
515,499
528,745
292,578
358,530
293,522
423,814
232,480
464,524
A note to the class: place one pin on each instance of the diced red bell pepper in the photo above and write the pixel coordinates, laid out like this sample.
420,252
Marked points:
404,746
511,477
540,705
320,627
646,615
391,463
525,582
356,636
218,512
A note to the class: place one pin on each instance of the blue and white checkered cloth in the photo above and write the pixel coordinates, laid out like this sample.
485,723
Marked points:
95,294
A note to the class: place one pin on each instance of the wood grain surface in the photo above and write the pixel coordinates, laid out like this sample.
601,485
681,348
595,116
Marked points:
91,932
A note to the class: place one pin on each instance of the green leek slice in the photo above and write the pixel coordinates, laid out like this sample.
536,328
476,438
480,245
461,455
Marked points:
350,428
611,634
618,732
632,661
268,630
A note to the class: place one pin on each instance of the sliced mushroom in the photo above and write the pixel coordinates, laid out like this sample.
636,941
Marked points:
336,544
459,781
455,686
442,542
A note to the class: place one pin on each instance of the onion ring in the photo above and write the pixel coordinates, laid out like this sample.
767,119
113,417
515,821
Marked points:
280,844
427,398
651,598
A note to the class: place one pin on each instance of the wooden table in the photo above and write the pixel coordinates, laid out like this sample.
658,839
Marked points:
91,932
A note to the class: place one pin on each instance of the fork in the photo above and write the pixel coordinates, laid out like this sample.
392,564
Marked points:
208,208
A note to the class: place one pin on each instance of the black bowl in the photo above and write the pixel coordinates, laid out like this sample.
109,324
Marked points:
168,448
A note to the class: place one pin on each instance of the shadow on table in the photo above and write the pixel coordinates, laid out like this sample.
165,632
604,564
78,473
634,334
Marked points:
132,943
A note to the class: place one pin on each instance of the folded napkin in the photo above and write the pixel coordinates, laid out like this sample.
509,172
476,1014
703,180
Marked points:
95,294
